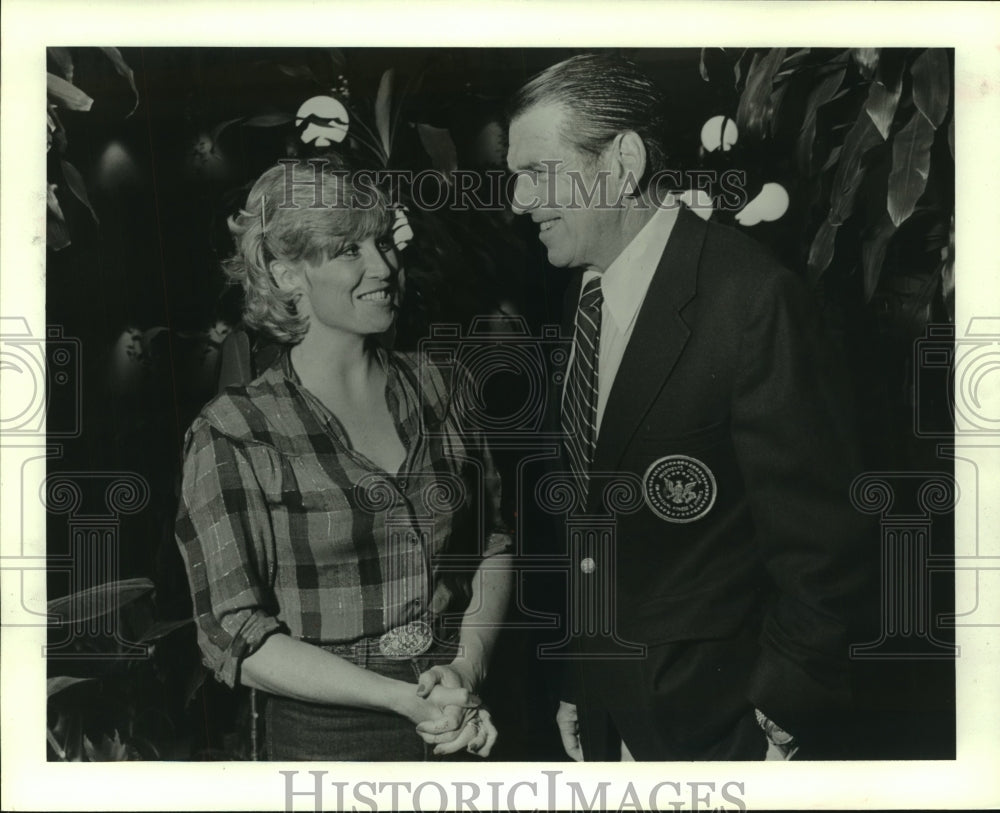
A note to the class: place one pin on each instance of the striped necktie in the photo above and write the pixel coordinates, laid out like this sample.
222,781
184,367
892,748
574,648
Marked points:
579,406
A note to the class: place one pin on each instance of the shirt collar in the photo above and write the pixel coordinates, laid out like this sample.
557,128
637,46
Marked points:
404,393
625,282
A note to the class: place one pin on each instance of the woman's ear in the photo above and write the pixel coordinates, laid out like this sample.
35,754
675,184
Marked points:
286,276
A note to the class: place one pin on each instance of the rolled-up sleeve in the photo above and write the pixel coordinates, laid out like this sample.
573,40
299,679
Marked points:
226,542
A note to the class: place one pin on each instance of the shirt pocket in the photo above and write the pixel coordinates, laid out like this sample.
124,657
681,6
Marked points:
313,518
687,439
305,485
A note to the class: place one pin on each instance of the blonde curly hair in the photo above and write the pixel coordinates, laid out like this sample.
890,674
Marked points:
298,211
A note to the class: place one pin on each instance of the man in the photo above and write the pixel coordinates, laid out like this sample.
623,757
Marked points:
698,368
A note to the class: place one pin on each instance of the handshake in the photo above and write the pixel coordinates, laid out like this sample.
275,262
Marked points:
448,713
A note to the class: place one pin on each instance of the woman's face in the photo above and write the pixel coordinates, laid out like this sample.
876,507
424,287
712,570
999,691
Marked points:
355,291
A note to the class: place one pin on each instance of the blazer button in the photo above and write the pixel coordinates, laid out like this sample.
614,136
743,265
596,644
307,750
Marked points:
588,566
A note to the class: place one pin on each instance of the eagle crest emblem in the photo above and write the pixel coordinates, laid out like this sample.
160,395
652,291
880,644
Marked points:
679,488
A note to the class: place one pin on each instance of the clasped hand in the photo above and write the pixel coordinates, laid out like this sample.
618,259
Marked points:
453,716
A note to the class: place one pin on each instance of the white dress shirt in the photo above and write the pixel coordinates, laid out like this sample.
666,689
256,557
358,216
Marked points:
624,285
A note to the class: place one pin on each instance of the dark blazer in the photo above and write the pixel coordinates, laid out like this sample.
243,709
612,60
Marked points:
739,568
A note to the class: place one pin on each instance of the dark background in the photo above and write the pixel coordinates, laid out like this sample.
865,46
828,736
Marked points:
144,293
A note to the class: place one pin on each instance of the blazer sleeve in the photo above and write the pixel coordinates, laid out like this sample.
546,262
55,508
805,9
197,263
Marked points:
794,439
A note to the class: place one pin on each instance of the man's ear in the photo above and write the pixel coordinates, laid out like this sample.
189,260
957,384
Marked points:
630,160
286,276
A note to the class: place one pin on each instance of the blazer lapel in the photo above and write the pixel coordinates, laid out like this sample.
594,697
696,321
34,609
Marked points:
656,343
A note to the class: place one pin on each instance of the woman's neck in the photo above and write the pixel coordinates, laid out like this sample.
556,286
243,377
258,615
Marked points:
341,361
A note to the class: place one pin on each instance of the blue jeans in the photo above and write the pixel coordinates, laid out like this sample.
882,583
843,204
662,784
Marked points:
295,730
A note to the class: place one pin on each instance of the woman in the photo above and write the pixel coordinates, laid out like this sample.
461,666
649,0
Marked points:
336,519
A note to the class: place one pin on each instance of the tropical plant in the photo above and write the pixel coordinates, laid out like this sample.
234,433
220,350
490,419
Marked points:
120,700
866,136
62,96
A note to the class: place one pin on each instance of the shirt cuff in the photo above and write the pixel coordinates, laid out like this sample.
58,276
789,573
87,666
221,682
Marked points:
258,626
775,733
498,542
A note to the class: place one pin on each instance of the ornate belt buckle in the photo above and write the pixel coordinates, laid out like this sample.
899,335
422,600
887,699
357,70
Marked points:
407,641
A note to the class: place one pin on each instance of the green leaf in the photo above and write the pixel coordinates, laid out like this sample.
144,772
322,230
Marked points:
738,69
66,95
795,60
916,292
66,736
111,750
115,749
777,97
791,65
217,130
756,107
841,58
820,95
337,58
866,59
75,183
194,682
383,104
123,70
841,94
832,158
850,171
911,164
948,286
161,629
55,746
269,120
298,72
440,147
881,105
53,203
99,600
821,250
932,84
54,685
413,84
56,233
873,255
64,61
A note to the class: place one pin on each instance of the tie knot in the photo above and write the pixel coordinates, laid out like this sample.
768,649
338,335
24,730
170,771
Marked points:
592,297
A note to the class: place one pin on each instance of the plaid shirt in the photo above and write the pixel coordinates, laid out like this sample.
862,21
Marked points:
284,527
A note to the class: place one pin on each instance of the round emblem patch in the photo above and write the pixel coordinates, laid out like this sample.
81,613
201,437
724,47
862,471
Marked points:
679,488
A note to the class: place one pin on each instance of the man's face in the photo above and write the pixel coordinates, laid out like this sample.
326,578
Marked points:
568,193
